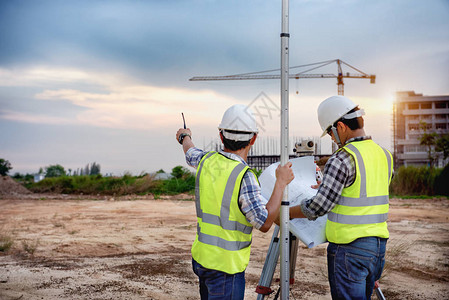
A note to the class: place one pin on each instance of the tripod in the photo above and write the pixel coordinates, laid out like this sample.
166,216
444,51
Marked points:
263,288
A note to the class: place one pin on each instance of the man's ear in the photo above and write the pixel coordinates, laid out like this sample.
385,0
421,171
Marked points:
253,139
343,126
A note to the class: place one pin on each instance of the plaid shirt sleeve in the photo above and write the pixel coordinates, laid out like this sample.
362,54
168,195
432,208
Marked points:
252,202
339,172
194,156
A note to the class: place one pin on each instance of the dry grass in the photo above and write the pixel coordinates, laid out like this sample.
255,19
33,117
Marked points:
6,242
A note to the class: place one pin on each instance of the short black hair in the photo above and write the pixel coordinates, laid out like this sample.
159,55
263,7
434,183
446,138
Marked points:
353,124
234,145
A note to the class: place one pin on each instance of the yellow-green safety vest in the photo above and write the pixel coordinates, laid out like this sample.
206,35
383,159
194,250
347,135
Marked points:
362,210
223,239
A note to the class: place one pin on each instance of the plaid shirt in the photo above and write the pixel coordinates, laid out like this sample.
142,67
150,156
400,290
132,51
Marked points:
339,172
251,201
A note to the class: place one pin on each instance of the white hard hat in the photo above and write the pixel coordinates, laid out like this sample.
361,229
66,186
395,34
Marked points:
334,108
240,120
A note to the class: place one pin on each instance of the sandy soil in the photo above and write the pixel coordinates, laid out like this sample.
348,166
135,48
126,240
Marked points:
135,247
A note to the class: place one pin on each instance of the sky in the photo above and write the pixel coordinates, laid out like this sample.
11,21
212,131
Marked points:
106,81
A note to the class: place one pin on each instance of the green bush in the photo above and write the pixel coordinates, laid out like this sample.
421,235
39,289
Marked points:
51,185
412,180
442,182
184,182
179,185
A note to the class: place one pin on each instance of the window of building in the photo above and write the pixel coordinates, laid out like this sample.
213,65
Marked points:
412,118
428,126
440,116
415,148
426,117
440,104
426,105
421,148
440,126
413,106
413,127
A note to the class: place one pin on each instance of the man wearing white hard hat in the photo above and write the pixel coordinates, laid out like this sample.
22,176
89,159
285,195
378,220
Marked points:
229,204
354,195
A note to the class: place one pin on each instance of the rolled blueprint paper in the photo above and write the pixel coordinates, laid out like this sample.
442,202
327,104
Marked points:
311,233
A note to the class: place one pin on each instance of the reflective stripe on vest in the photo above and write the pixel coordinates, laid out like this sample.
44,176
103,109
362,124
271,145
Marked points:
219,242
357,220
222,220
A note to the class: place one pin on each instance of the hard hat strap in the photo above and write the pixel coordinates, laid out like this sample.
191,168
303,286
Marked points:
237,135
354,115
337,138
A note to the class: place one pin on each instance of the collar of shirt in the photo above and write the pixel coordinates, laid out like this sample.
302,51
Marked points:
358,139
233,156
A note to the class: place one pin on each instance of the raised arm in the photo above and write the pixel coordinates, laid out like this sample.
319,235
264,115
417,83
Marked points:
185,136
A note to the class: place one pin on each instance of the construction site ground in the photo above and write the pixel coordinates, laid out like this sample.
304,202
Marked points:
138,247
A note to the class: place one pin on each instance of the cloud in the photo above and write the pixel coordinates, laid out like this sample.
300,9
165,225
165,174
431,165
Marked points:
33,118
111,100
36,76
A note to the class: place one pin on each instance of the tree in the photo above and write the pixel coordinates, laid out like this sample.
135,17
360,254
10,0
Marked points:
54,171
5,166
442,145
87,170
428,140
179,172
17,175
95,169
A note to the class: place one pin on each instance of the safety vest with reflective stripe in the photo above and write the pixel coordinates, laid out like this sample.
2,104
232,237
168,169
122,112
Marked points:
362,210
224,235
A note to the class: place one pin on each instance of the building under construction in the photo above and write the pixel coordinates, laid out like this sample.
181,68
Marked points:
414,115
266,150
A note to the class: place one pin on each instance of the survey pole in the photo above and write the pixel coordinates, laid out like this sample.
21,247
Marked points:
284,219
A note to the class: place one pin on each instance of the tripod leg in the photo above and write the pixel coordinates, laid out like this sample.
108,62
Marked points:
263,288
378,291
293,255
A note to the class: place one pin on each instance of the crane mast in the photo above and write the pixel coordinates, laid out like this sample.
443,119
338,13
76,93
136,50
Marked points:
299,75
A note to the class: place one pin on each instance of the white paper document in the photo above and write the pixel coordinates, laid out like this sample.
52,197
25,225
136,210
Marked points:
311,233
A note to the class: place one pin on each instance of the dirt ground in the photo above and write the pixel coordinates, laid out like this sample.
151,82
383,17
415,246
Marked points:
138,247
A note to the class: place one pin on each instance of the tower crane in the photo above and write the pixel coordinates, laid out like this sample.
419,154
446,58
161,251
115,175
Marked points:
304,74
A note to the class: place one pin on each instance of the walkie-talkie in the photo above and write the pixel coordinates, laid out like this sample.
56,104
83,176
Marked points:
183,135
184,120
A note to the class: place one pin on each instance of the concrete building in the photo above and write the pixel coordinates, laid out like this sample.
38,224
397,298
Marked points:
412,112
